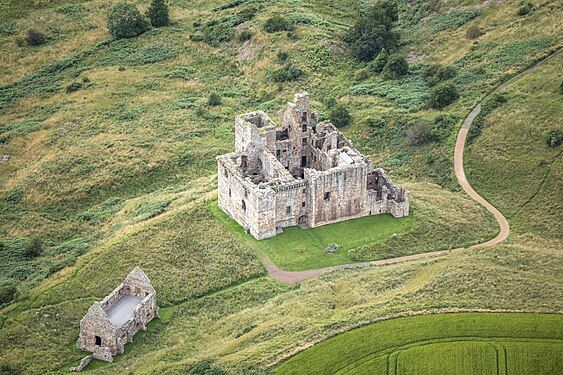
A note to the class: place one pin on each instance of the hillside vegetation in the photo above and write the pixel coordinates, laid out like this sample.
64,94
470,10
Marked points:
110,152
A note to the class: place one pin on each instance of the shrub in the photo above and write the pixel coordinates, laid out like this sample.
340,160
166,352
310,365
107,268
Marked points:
214,99
376,65
35,38
73,87
373,31
287,73
277,23
7,294
361,74
473,32
561,88
554,138
434,74
244,35
125,21
442,126
525,9
330,102
282,56
158,13
339,116
419,133
375,123
33,248
443,95
396,66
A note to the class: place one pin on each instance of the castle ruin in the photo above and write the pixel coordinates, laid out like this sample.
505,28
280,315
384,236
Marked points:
112,323
304,173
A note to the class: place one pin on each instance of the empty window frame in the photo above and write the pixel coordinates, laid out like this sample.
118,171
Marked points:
327,196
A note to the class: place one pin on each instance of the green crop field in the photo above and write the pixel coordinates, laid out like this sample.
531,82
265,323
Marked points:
463,344
107,160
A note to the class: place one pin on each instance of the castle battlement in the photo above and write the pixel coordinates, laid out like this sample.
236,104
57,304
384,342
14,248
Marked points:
304,172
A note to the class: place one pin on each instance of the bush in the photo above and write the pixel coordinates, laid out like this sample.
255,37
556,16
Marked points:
158,13
244,35
434,74
214,99
125,21
375,123
287,73
277,23
376,65
282,56
473,32
33,248
442,126
525,9
35,38
361,74
443,95
554,138
419,133
339,116
373,31
396,66
330,102
73,87
7,294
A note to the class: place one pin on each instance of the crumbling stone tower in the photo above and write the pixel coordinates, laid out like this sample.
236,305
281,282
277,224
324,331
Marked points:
304,172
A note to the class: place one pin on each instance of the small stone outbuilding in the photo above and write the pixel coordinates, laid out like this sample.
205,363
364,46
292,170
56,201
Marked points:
112,323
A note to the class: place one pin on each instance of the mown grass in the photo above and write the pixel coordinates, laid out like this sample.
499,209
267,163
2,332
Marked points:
462,343
439,220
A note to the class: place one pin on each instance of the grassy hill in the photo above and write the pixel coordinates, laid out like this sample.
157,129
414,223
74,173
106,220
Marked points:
111,149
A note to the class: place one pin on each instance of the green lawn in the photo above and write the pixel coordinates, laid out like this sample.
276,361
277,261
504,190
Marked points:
462,343
298,249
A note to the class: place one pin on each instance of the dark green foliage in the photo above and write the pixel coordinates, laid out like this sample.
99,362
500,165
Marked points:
376,65
222,30
361,74
6,295
443,95
442,126
158,13
33,248
148,210
373,31
277,23
339,116
104,211
205,367
561,88
418,133
244,35
286,73
554,138
125,21
451,20
35,38
282,56
74,86
330,102
396,66
526,8
6,369
214,99
473,32
436,73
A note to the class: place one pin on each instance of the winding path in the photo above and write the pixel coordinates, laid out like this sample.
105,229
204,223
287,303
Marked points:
292,277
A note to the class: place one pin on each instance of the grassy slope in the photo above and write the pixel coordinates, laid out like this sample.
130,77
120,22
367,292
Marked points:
139,134
419,345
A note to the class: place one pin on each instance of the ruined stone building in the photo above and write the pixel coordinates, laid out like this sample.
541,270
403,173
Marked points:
304,172
111,323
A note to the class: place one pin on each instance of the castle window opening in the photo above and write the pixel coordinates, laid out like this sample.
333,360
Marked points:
304,127
243,205
303,161
302,204
226,173
98,340
327,196
304,141
278,153
243,161
229,192
288,210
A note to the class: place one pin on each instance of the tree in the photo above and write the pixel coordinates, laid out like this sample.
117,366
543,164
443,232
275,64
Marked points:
35,38
396,66
339,116
373,32
554,138
473,32
158,13
376,65
7,294
33,248
125,21
436,73
443,95
214,99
